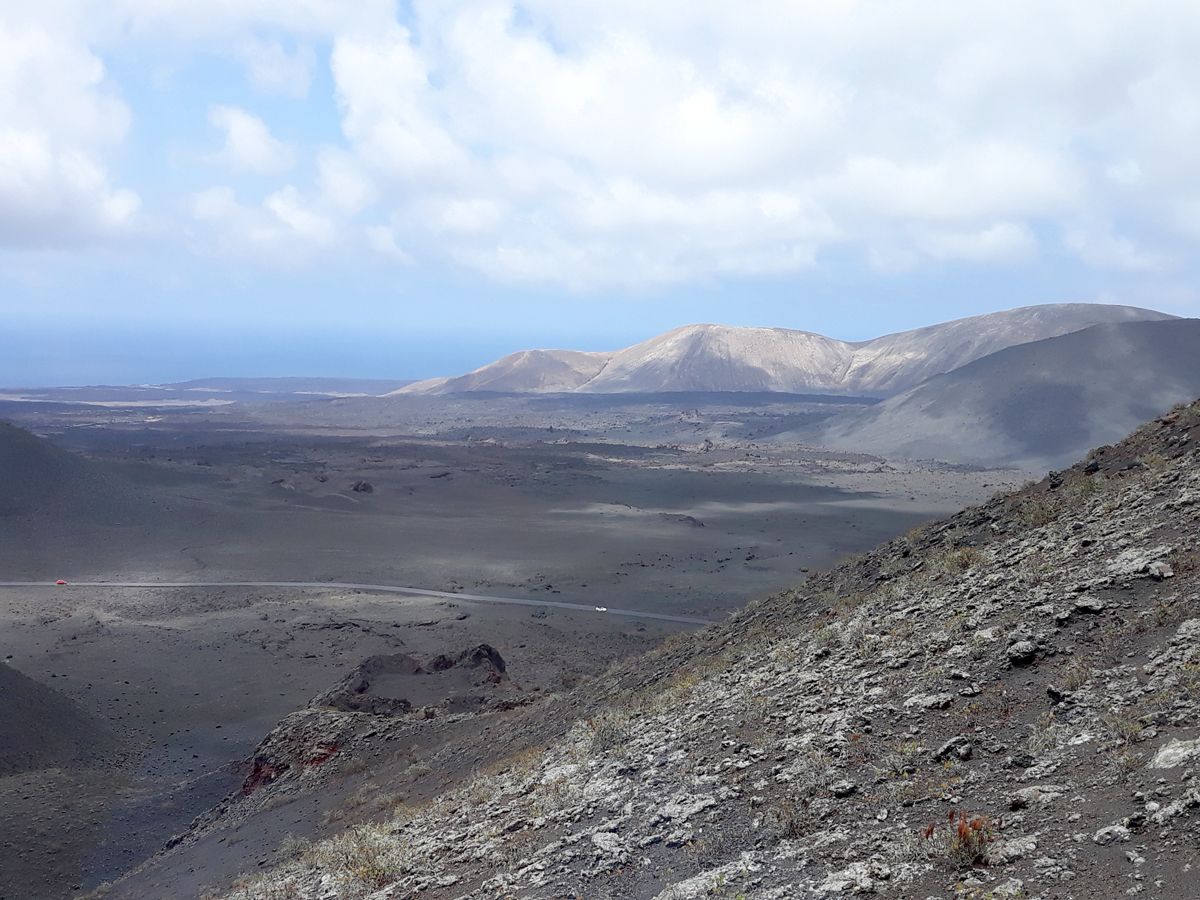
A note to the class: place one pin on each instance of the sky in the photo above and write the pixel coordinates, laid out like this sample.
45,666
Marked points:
373,188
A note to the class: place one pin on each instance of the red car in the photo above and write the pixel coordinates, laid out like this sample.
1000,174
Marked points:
60,581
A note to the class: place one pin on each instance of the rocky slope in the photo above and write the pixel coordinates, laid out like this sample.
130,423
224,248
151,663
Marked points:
1038,404
727,358
1003,704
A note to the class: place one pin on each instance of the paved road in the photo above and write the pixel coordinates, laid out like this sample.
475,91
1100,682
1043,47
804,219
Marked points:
376,588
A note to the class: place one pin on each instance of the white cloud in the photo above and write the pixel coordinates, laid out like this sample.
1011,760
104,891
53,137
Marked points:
389,112
1002,242
274,70
383,241
343,183
1099,247
290,209
249,145
284,225
58,120
629,143
620,143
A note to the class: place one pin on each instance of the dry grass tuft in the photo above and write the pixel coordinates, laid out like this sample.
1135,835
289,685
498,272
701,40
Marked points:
368,856
609,730
1121,725
1034,513
956,562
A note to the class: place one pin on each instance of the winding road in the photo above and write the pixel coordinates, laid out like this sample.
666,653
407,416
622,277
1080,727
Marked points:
374,588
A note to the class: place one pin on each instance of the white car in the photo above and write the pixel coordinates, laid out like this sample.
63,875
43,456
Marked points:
601,609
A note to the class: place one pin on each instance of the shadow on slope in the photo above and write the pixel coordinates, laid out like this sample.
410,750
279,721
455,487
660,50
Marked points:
1035,405
40,728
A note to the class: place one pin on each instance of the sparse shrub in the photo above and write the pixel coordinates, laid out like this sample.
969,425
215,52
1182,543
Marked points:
1125,762
1189,680
955,562
716,846
1113,637
964,839
915,534
259,888
848,602
1185,561
1045,735
1035,513
825,635
1164,612
1036,568
810,771
898,761
855,636
292,846
609,730
1154,461
1189,413
1077,673
515,849
897,590
1084,487
1121,725
787,818
556,795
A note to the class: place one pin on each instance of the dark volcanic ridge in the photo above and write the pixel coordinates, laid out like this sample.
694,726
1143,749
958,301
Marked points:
1035,405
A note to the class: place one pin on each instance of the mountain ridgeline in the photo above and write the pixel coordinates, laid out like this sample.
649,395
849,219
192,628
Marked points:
715,358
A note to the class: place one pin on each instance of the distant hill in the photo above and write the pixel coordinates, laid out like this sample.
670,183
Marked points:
728,358
40,728
530,371
292,385
33,470
1038,404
